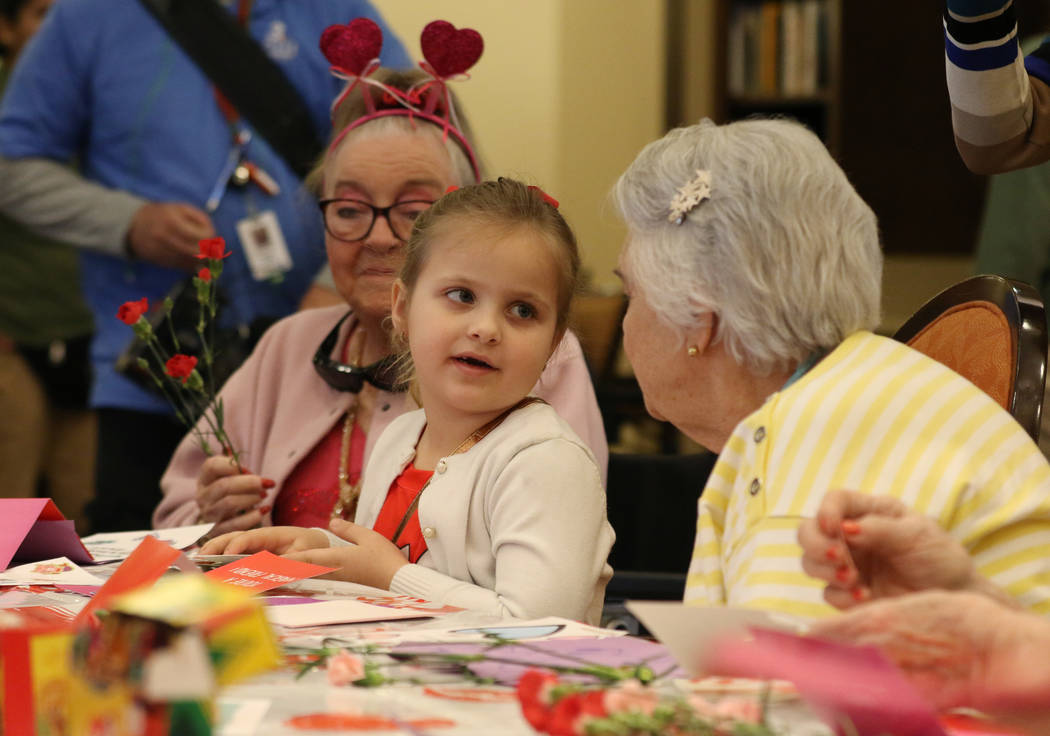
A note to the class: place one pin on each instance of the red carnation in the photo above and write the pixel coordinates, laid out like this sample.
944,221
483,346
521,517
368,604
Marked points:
213,248
563,717
534,689
204,274
180,366
130,312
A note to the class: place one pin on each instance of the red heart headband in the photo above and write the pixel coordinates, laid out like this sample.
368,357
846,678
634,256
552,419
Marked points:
353,50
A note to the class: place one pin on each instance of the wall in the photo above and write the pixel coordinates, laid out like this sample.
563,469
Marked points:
566,93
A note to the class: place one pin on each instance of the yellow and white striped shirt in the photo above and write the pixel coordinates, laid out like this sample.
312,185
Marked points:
878,417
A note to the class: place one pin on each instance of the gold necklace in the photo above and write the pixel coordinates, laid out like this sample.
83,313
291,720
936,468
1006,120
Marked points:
346,504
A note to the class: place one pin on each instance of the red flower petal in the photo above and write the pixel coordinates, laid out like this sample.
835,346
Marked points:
213,248
180,366
130,312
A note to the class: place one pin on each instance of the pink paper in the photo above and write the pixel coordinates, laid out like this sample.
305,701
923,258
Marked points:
844,683
31,529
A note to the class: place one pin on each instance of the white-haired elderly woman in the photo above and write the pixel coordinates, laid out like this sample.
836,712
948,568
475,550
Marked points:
753,270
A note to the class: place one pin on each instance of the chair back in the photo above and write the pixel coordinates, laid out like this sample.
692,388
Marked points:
992,331
652,507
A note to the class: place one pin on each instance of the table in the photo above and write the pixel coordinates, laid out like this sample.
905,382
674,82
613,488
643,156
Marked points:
280,703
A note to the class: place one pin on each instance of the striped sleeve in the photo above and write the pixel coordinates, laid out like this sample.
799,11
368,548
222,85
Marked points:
1000,100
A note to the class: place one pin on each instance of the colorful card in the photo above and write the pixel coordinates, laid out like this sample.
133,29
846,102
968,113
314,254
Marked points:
59,571
33,529
265,570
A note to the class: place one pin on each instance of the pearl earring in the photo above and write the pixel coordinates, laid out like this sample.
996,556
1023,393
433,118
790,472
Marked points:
693,351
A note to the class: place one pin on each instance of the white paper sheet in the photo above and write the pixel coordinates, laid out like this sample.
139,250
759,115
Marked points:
57,571
335,612
114,546
689,631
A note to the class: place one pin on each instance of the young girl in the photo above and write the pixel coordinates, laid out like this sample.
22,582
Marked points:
492,501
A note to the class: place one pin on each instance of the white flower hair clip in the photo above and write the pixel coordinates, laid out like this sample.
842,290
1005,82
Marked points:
689,196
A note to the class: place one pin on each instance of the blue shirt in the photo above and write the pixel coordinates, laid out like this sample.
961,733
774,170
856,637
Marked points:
104,82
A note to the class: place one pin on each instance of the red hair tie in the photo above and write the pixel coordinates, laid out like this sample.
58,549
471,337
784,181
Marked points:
546,197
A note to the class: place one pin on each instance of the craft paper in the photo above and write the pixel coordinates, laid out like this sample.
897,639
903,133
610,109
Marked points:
59,571
326,613
689,631
855,685
265,570
33,529
113,546
143,567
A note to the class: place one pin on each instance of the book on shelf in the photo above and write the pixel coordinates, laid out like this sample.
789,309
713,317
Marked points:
777,48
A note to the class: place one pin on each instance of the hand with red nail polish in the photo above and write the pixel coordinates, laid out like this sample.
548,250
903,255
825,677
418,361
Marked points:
230,496
867,547
959,649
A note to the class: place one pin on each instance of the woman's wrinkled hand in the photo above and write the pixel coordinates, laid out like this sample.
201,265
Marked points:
230,496
280,540
371,559
866,546
958,649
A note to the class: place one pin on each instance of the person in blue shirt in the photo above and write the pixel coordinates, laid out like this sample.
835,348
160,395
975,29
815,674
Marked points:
152,146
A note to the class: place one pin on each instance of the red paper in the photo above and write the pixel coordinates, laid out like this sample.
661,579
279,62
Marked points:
143,567
840,682
34,529
265,570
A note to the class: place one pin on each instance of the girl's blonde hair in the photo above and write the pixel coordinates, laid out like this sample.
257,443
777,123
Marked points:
501,203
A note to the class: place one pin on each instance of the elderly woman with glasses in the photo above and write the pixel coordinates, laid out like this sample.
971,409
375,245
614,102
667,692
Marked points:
753,270
306,408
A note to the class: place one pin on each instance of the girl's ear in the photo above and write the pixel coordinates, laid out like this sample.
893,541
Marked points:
399,306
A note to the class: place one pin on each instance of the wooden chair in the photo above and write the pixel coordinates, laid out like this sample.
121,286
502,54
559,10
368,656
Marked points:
992,331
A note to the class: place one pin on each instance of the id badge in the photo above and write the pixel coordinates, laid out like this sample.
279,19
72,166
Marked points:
264,245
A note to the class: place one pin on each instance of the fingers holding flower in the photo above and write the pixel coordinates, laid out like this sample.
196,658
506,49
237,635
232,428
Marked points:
225,491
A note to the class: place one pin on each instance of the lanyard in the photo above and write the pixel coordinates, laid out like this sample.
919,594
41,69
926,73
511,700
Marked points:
238,170
475,437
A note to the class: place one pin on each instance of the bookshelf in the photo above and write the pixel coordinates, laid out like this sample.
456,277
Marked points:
868,78
781,57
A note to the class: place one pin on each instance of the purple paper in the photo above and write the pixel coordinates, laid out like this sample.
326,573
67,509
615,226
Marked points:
622,651
842,682
49,539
